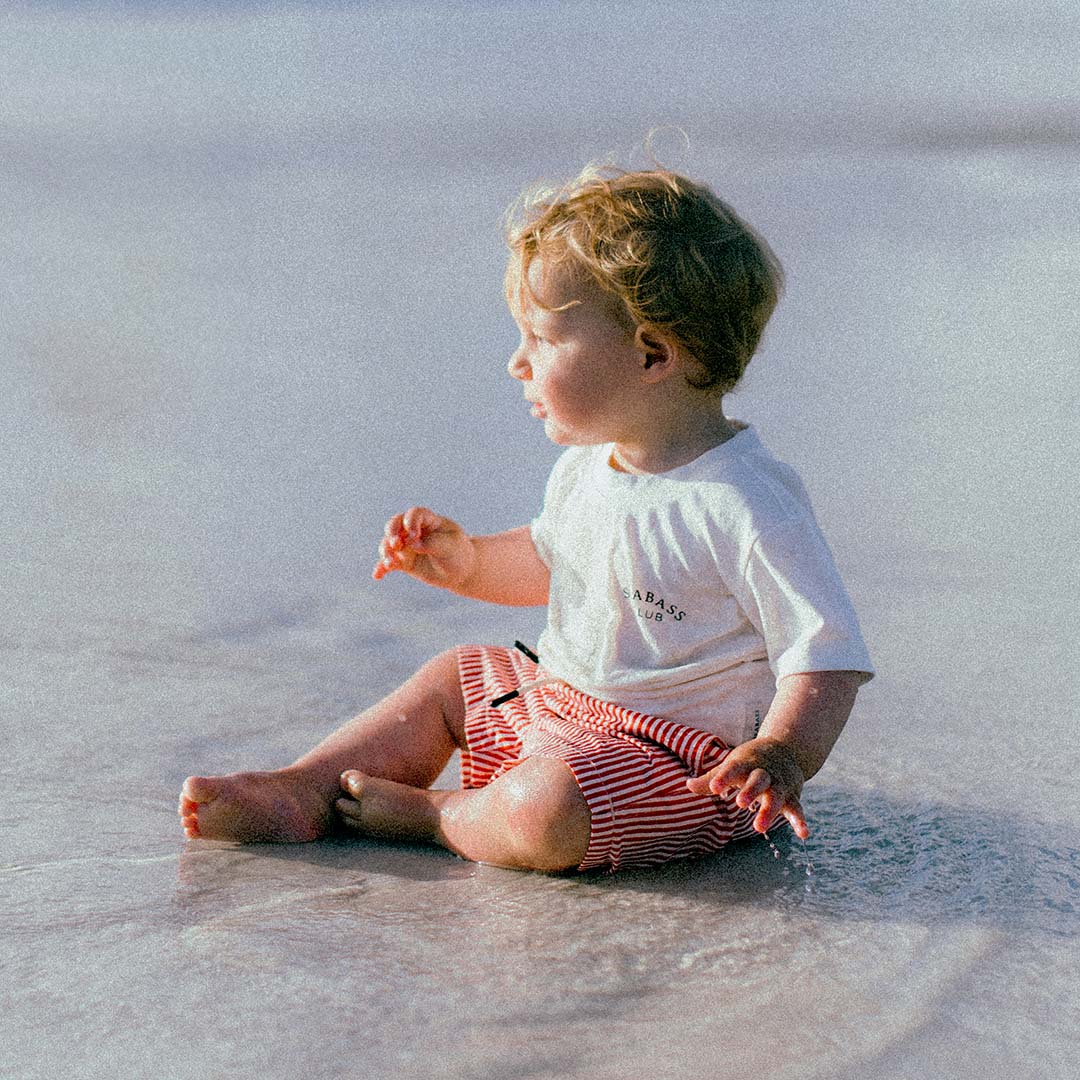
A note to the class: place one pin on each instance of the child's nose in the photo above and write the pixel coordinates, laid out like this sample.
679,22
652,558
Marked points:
519,365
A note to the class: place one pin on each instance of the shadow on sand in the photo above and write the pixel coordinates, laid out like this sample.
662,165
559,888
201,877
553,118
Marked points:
871,855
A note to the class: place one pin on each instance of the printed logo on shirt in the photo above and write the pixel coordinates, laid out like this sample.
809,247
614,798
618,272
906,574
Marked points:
650,605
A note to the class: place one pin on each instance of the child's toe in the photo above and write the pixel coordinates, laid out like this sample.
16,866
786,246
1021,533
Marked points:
189,819
199,789
348,812
353,782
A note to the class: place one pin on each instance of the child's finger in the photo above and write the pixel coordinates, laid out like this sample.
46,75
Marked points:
384,566
757,784
717,781
392,560
385,563
393,527
793,811
769,808
728,783
723,779
417,521
390,548
399,551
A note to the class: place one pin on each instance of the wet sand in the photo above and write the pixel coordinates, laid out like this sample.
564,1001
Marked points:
253,274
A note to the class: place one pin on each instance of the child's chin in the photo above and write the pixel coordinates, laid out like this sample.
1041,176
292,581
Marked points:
556,434
562,437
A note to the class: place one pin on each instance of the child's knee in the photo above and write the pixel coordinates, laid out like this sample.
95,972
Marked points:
546,815
443,668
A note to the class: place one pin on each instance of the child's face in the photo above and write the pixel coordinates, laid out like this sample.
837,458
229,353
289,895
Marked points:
578,366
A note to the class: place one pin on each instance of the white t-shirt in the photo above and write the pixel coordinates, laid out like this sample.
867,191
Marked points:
689,594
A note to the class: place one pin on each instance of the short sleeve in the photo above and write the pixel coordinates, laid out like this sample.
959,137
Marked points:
793,594
544,526
539,528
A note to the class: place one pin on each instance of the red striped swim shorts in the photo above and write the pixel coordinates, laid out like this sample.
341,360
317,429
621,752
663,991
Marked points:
632,768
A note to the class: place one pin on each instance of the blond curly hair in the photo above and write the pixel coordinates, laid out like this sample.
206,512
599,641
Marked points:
678,257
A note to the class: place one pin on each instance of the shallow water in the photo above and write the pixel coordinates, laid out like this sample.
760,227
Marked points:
251,279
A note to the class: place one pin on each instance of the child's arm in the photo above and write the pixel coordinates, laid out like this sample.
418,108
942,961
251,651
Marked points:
804,721
503,568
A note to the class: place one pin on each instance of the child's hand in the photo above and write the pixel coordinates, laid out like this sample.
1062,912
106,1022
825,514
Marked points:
763,771
426,546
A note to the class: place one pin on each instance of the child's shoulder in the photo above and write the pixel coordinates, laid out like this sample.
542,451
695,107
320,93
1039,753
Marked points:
742,484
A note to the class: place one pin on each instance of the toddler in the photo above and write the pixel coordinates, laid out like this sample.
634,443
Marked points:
700,656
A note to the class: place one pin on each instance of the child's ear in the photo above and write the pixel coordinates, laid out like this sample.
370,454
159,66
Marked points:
658,354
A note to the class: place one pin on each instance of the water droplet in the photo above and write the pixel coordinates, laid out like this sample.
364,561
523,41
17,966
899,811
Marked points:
775,849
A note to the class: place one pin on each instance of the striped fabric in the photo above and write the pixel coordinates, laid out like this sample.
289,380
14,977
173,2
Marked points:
631,767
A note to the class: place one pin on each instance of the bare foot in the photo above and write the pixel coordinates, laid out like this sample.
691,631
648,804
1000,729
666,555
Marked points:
520,824
278,807
379,807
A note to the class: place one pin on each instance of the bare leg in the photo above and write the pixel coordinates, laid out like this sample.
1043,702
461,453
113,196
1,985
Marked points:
408,738
533,817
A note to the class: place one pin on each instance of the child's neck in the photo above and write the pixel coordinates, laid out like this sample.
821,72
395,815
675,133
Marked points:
663,447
